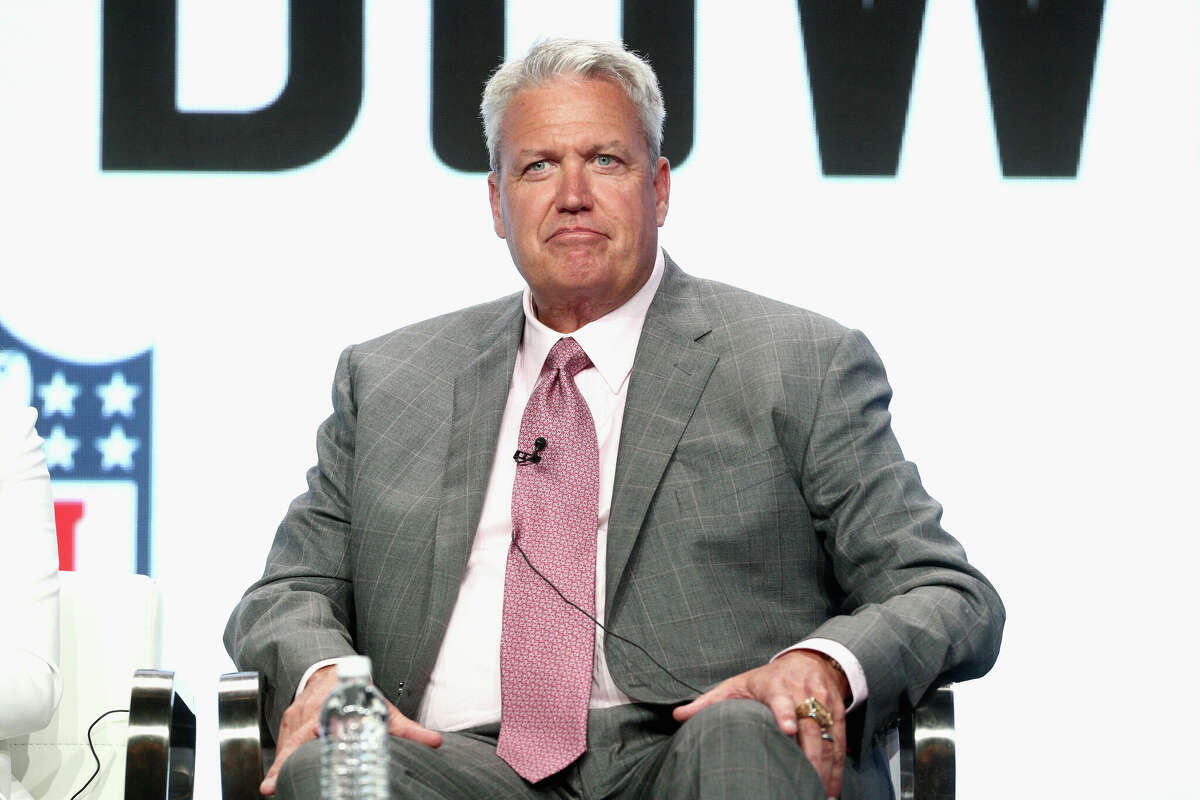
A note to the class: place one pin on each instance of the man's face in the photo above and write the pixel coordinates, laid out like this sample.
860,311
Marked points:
578,198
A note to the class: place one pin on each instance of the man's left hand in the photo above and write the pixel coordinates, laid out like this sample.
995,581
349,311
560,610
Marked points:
781,686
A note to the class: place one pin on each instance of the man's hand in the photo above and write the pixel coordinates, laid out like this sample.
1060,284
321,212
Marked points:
302,720
781,686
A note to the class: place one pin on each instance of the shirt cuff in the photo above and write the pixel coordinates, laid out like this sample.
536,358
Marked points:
845,659
308,673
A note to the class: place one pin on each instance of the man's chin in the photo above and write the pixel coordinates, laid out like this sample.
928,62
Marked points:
581,267
578,252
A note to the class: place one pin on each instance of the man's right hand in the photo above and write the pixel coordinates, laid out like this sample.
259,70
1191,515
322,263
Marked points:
302,720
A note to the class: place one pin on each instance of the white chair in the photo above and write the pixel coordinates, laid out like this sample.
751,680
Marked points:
111,627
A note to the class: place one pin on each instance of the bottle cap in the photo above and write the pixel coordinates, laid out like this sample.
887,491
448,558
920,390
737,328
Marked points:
354,667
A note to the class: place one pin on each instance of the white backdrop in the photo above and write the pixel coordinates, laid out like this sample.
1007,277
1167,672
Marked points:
1039,334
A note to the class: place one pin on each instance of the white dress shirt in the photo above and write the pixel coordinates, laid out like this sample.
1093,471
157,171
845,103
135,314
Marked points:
30,686
464,687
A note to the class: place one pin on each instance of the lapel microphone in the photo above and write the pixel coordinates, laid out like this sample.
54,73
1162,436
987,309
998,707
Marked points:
524,459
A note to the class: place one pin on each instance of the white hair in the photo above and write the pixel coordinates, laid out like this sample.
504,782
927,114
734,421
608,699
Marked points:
552,58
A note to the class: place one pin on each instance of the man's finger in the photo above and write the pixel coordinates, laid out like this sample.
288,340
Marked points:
267,787
300,721
420,735
828,756
722,691
818,751
838,761
289,741
403,727
685,712
784,710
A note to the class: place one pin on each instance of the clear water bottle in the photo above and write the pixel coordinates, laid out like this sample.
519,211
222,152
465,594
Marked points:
354,725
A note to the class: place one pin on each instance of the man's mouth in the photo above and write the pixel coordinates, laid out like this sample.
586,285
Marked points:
575,232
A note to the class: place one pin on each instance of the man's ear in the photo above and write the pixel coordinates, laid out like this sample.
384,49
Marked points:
494,198
662,189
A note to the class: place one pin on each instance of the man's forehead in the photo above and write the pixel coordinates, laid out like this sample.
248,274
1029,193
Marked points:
547,107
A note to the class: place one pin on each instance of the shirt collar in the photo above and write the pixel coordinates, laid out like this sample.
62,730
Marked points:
610,341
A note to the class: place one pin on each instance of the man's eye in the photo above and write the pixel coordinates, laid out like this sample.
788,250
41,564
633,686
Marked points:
605,161
538,166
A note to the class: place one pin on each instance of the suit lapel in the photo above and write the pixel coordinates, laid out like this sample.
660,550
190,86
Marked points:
480,393
670,371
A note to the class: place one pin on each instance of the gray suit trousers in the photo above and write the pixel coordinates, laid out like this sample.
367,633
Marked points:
730,750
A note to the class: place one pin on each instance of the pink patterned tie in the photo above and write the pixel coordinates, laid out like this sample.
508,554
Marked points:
545,645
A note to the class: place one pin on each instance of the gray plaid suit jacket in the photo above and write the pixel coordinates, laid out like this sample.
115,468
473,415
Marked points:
760,498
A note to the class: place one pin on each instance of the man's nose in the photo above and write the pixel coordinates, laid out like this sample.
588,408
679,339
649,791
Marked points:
574,188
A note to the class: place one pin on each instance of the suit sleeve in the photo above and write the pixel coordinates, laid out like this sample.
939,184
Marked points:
915,611
301,611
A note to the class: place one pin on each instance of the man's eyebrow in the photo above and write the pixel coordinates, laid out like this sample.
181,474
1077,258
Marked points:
544,152
614,144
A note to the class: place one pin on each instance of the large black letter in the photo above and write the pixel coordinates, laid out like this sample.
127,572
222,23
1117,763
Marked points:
1040,56
860,69
143,130
468,43
665,33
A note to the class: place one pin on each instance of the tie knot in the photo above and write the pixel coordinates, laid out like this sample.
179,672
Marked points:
568,356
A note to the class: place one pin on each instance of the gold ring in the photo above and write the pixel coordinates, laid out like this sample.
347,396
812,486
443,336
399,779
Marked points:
811,707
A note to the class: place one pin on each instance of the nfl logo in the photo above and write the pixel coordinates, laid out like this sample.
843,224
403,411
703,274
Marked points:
95,420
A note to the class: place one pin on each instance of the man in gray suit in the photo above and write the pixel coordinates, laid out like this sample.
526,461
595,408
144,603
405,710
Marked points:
772,579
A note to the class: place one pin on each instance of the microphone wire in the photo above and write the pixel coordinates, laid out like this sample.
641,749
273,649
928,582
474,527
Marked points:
600,624
92,747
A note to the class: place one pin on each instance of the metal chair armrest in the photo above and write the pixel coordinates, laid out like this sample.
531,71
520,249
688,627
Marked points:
927,747
160,748
246,746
